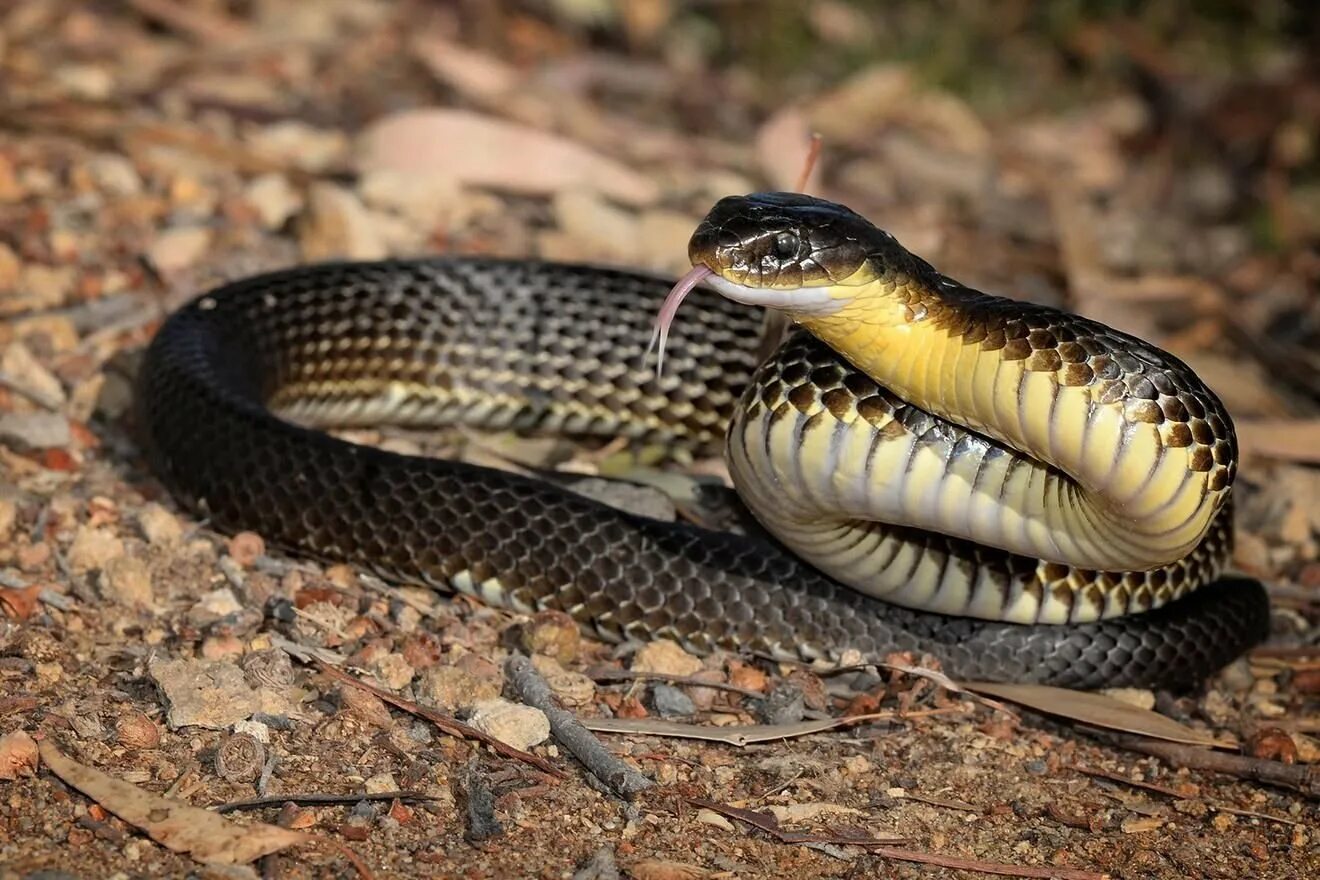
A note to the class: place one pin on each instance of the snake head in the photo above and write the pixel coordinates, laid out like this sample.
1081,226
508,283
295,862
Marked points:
782,250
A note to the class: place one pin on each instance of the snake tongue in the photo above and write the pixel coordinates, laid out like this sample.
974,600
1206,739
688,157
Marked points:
669,308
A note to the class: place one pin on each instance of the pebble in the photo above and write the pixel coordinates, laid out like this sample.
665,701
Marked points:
136,730
511,723
393,670
274,199
177,249
665,658
337,225
572,688
213,606
710,817
553,634
35,430
204,693
365,707
297,144
380,783
268,668
670,702
19,365
93,548
158,525
127,581
114,174
784,705
240,758
255,729
455,689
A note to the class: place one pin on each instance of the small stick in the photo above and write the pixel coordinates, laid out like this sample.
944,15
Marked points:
323,800
1299,777
770,825
813,153
528,685
449,725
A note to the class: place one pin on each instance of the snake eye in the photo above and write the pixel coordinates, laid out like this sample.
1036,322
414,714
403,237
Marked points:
786,245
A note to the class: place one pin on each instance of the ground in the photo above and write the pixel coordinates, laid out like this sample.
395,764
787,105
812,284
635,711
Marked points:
1156,170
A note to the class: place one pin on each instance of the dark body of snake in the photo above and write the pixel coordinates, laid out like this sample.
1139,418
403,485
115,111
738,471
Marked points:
535,345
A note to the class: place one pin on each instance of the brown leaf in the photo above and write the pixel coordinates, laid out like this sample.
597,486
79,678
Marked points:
205,836
1097,709
20,603
481,150
1296,440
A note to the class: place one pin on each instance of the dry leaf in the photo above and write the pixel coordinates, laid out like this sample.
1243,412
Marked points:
20,603
1295,440
18,755
1097,709
205,836
480,150
782,143
655,869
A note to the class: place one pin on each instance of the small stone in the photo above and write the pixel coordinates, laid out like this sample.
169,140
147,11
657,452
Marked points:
18,363
214,605
366,707
381,783
511,723
297,144
665,658
269,668
455,689
221,647
136,730
857,765
204,693
246,548
393,670
240,758
586,217
114,174
337,225
18,755
274,199
93,548
8,517
127,581
670,702
255,729
1272,744
745,675
159,526
572,688
553,634
35,430
710,817
784,705
177,249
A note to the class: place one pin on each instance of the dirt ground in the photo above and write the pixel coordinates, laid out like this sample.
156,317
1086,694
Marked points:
1158,171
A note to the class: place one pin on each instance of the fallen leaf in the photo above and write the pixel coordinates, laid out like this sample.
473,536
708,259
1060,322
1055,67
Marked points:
481,150
20,603
1295,440
205,836
1097,709
782,143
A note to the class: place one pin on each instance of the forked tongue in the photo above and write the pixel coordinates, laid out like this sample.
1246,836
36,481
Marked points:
668,309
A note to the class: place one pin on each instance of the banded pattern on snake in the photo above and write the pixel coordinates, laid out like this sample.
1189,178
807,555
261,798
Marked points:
534,345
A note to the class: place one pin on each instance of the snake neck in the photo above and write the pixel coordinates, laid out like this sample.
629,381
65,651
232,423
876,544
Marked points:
1147,444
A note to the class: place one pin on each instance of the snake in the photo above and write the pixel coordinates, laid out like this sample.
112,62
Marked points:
1021,493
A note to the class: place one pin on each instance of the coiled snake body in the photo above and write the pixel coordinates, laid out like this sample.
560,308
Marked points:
993,469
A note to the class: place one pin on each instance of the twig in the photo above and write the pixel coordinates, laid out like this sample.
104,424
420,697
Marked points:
204,26
605,674
532,689
449,725
770,825
1298,777
748,734
322,800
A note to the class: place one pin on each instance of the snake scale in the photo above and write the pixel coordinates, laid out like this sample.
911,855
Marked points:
1026,495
